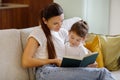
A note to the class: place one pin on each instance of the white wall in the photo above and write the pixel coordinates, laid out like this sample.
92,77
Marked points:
72,8
97,15
95,12
115,17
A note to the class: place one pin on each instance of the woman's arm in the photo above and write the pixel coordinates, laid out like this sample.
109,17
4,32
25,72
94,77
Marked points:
29,61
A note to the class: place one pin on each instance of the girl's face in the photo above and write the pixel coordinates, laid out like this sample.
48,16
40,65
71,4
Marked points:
74,39
54,23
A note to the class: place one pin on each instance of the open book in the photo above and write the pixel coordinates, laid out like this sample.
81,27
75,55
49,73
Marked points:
75,62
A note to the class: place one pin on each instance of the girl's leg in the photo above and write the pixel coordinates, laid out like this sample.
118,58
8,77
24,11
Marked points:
50,72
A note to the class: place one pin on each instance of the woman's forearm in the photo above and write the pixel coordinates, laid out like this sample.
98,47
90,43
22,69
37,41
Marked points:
34,62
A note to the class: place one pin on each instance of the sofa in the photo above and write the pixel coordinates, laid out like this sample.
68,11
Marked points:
12,44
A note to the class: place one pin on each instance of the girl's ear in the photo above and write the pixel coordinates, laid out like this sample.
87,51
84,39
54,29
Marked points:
68,32
44,20
83,38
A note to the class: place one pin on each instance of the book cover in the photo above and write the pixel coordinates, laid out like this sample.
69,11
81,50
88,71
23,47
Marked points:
75,62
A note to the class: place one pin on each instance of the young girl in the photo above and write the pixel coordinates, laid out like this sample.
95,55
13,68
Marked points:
75,45
77,34
45,47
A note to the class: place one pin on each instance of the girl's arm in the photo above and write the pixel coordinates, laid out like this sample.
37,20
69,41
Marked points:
29,61
95,64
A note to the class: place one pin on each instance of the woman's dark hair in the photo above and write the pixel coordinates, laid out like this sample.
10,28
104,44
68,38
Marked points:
48,12
80,28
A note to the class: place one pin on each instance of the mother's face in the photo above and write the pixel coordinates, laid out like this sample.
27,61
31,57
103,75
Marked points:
55,22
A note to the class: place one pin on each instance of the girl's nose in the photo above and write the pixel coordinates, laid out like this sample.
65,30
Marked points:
73,42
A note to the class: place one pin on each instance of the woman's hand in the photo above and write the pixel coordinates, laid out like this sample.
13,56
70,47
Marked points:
58,62
94,65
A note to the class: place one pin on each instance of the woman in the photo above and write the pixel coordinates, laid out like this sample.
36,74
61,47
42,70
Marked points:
45,48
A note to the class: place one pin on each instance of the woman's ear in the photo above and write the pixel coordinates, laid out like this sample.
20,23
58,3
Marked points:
44,20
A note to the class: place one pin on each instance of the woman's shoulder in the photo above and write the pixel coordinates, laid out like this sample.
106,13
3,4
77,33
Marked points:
38,34
37,30
63,31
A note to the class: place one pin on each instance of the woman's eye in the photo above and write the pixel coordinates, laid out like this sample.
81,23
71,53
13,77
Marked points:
62,21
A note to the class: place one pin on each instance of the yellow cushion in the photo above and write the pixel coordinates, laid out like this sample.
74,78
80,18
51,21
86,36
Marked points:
95,46
111,51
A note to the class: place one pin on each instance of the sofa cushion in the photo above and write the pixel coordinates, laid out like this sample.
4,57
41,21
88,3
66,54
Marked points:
111,51
95,46
110,47
116,74
24,35
10,56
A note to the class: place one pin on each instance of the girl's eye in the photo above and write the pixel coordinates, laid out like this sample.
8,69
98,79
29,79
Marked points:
78,40
72,37
55,23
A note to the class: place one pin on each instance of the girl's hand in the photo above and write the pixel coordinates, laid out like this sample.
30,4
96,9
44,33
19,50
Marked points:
94,65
